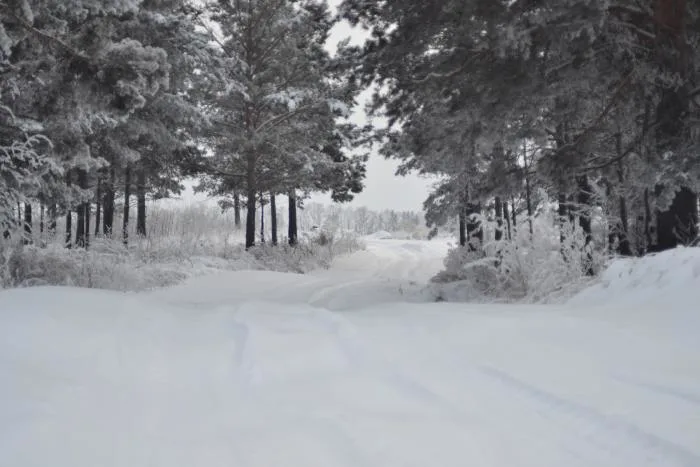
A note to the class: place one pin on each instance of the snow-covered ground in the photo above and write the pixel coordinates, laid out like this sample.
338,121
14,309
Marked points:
353,367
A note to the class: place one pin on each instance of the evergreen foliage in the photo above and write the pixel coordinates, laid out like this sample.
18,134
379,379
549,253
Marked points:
594,104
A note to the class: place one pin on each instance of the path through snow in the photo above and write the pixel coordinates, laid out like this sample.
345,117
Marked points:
349,367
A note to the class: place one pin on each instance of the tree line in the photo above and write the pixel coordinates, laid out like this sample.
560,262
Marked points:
594,106
107,103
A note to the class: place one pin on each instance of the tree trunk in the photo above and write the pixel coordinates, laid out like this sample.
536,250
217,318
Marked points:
53,219
250,202
27,223
623,240
273,218
506,216
141,202
69,229
42,216
127,200
571,209
528,191
462,228
292,233
250,219
648,228
584,215
80,227
562,217
98,207
262,219
513,214
499,219
108,203
237,210
88,208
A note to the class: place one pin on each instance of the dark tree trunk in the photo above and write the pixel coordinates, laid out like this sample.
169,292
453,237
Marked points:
237,210
584,207
42,216
562,217
127,200
141,202
571,209
250,202
53,219
612,235
250,219
98,207
262,219
649,233
292,232
69,229
462,228
80,227
623,238
624,248
20,218
27,223
528,190
584,215
506,216
88,208
273,218
499,219
513,214
108,203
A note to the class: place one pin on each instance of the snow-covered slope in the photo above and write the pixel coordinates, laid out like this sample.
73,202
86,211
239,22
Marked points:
257,369
665,279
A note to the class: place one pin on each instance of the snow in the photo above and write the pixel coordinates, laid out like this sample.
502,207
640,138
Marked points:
353,367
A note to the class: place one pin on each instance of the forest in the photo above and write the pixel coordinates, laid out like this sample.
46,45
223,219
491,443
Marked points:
583,113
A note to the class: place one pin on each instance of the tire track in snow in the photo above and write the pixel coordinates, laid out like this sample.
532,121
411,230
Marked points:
663,390
629,444
478,423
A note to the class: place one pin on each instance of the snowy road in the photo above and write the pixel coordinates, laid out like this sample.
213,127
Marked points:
349,367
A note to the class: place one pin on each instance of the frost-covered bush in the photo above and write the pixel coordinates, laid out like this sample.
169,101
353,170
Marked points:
535,268
181,244
314,251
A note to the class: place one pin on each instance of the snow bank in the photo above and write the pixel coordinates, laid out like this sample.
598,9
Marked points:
668,279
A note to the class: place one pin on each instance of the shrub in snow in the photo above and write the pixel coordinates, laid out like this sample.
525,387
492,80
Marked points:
527,268
314,250
161,259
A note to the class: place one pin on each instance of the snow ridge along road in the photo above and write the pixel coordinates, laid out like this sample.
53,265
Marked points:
349,367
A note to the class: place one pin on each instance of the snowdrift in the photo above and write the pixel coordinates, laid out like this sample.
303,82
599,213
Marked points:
668,279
